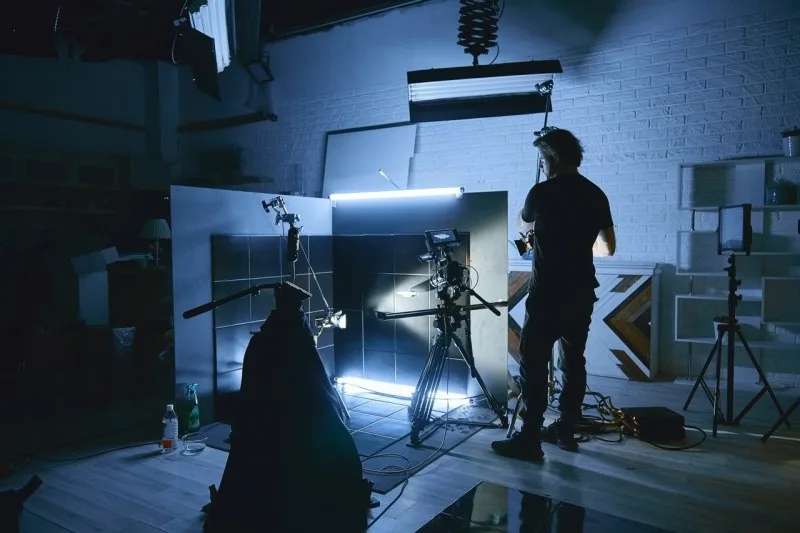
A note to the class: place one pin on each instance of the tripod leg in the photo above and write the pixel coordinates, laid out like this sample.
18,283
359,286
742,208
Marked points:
517,409
781,420
717,414
498,409
422,403
551,387
766,388
701,376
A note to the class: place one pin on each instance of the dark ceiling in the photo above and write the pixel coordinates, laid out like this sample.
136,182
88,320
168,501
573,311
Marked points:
142,28
280,18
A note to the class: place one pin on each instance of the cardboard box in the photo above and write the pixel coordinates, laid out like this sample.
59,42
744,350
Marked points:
92,271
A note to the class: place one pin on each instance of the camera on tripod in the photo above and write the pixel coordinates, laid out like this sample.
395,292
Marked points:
451,279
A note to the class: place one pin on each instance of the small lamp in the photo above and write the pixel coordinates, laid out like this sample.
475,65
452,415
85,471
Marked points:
156,229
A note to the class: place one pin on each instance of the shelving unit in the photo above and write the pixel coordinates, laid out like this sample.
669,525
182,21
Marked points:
769,312
44,181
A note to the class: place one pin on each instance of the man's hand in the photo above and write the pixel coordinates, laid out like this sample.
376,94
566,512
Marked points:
522,226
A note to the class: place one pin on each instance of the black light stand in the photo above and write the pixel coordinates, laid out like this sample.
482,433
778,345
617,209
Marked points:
734,235
784,419
293,251
525,243
282,215
449,318
545,88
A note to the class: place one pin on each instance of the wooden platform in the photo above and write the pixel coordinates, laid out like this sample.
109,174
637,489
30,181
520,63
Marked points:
731,483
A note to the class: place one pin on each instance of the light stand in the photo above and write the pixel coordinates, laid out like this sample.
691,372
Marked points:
332,318
734,235
282,215
546,89
525,243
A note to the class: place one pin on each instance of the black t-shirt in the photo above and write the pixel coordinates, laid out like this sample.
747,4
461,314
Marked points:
567,212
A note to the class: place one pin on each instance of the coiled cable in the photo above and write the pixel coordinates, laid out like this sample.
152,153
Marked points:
477,26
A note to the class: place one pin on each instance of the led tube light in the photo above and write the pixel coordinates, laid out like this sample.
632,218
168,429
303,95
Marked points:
359,385
406,193
473,88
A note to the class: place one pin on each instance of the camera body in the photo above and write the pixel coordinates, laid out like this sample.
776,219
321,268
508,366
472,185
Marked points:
451,278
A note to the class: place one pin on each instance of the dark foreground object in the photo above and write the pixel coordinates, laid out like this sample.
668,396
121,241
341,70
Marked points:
290,448
11,502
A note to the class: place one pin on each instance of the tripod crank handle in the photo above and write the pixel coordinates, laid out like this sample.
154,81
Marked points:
490,306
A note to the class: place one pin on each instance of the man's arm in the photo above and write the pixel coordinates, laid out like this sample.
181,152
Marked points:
527,214
522,226
606,243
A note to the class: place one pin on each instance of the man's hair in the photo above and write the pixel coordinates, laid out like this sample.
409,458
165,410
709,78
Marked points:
560,146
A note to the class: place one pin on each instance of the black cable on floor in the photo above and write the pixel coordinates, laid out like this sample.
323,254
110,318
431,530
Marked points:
408,470
609,420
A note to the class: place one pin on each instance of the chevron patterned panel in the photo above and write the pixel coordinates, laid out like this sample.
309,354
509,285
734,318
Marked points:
619,339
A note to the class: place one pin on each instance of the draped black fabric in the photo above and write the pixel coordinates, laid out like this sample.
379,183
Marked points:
293,465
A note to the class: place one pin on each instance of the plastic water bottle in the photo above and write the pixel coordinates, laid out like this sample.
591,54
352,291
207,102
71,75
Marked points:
169,439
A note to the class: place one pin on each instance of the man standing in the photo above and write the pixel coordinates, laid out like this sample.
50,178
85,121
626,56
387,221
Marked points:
571,222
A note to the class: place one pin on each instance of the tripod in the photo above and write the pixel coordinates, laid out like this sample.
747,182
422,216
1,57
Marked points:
449,318
732,330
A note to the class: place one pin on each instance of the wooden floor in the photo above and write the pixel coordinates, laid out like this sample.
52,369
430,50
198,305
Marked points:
731,483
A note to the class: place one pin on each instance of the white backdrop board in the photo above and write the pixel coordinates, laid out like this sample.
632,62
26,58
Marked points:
352,159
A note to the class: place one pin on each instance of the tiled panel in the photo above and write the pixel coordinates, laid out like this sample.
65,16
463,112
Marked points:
231,344
229,382
230,256
262,304
348,253
375,253
304,282
320,253
409,367
377,268
378,290
226,400
324,281
347,290
454,376
235,312
301,265
407,249
349,359
349,347
326,337
265,256
379,365
326,354
412,335
241,262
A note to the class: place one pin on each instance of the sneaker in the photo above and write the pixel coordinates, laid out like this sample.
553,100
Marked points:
562,435
520,447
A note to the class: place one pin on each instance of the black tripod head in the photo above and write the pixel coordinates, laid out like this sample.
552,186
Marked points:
450,280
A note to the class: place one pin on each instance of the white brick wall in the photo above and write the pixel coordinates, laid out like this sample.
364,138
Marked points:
641,105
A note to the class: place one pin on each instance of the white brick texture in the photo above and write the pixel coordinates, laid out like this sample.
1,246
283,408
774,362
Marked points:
701,92
641,106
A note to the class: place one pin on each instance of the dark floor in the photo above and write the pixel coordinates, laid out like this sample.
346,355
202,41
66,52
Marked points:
494,508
